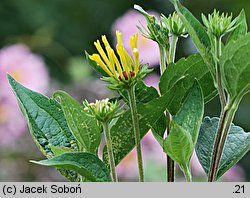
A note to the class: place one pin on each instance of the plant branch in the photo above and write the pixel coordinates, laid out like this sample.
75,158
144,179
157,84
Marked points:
187,173
223,131
135,120
110,151
162,59
222,96
170,162
172,50
212,171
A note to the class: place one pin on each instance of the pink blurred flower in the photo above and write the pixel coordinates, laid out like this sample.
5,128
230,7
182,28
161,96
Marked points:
28,69
149,51
152,80
12,123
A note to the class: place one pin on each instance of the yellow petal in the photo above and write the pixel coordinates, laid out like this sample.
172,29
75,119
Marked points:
105,41
123,59
117,63
136,59
98,60
111,60
133,41
101,51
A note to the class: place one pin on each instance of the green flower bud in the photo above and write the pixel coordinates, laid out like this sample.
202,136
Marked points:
174,25
103,110
219,24
154,30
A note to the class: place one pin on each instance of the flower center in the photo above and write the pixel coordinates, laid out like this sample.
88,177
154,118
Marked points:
125,75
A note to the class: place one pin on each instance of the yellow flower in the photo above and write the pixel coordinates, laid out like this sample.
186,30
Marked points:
123,68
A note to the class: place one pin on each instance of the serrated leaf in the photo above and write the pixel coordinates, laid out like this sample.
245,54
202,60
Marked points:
187,122
84,127
236,67
191,68
86,164
179,145
241,27
197,32
45,118
236,146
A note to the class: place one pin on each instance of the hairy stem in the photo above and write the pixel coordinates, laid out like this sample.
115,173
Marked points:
220,88
135,121
110,151
212,171
224,111
229,113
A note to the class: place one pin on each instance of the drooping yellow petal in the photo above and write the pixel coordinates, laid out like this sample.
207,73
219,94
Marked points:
133,41
117,63
119,38
123,59
105,41
101,51
136,59
111,60
98,60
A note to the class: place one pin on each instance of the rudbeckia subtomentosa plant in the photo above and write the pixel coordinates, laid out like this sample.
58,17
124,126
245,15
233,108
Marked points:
69,133
123,71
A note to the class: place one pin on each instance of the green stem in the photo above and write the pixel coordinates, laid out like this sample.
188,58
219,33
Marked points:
187,173
172,50
110,151
212,174
224,111
228,118
170,168
170,162
162,59
135,121
222,96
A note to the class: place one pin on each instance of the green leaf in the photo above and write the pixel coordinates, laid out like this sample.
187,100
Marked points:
122,133
83,126
236,146
60,150
188,70
143,93
86,164
159,128
190,115
179,145
241,29
45,118
197,32
236,67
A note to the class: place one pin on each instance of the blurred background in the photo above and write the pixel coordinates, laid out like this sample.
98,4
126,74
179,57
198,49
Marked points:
42,45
